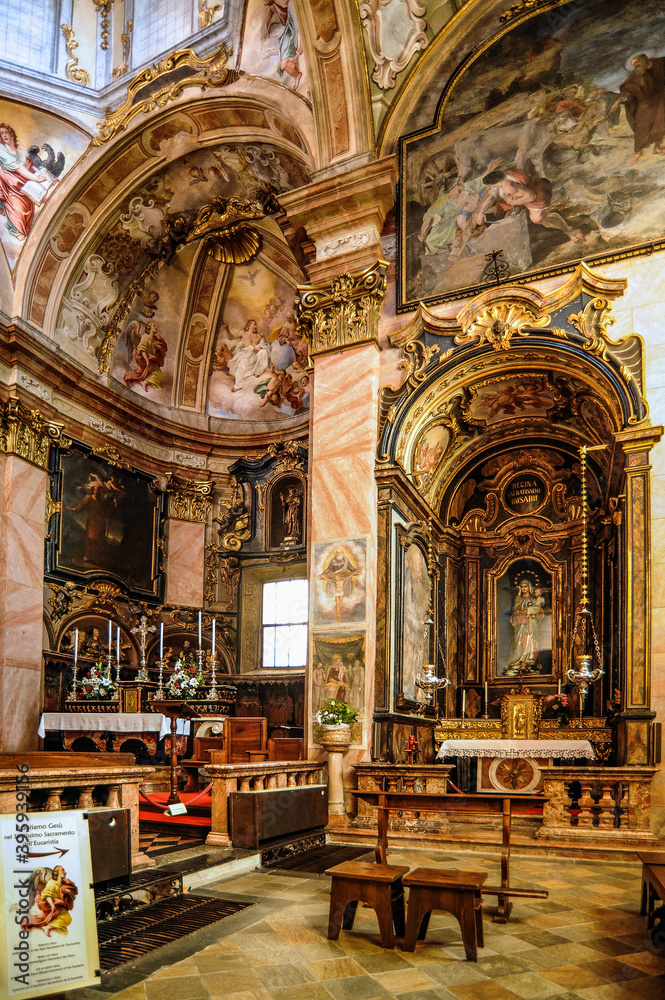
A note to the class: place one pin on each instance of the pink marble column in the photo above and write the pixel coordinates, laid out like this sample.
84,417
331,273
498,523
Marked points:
23,499
342,488
185,562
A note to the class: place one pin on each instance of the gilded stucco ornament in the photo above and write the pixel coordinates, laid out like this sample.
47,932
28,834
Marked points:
498,324
234,521
189,499
344,312
73,71
154,81
28,434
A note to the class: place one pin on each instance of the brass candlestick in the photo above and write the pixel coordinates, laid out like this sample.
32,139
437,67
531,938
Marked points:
212,693
160,694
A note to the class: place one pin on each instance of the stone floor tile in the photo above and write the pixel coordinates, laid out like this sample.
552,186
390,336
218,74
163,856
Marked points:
307,991
317,950
176,988
405,980
652,988
336,968
613,970
136,992
531,985
450,973
495,966
574,977
609,991
186,968
235,981
646,961
384,961
483,991
274,976
357,988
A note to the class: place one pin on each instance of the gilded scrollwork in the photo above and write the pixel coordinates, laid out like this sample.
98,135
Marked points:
189,499
498,324
210,72
234,522
26,433
73,71
344,312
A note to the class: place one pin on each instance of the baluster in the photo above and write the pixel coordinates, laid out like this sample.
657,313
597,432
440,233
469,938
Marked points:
301,778
606,803
53,803
290,779
553,808
244,785
272,781
85,797
585,818
113,800
259,783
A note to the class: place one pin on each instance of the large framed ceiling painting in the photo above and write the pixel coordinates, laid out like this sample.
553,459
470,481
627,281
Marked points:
106,523
549,148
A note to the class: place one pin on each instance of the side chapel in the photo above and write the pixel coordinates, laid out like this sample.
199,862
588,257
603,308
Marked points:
330,362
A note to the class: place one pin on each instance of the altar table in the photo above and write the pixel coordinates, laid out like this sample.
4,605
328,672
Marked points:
455,802
109,722
568,749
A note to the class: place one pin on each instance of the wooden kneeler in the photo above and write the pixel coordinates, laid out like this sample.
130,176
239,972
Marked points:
380,886
454,891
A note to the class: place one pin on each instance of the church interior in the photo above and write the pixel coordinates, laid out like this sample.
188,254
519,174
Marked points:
399,638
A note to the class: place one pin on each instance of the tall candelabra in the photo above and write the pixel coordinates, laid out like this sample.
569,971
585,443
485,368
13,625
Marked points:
583,674
160,694
109,660
212,693
72,694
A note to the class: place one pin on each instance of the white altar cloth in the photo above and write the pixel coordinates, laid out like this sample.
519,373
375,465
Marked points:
568,749
111,722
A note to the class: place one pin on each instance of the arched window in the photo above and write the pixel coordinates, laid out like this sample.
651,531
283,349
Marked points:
160,26
28,30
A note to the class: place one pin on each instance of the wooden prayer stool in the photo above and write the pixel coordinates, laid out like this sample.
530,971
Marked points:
653,890
454,891
380,886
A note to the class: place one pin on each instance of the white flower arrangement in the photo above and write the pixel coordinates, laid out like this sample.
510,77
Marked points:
97,685
186,681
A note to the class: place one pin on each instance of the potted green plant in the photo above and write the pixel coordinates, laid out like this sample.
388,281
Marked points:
334,723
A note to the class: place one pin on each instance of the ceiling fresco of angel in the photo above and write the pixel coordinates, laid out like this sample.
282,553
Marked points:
550,149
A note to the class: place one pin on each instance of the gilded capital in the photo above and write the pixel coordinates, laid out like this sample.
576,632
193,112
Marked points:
344,312
189,500
27,433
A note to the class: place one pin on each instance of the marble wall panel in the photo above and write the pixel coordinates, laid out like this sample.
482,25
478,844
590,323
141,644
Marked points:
185,560
21,601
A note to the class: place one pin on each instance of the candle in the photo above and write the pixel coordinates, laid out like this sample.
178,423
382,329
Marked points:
199,629
117,644
214,623
487,701
76,647
559,685
161,640
463,703
110,637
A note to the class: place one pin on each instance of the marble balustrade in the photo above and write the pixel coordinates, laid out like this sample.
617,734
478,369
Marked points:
227,778
117,786
613,804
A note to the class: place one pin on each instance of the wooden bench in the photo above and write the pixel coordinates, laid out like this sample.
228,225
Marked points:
379,886
653,891
455,891
418,802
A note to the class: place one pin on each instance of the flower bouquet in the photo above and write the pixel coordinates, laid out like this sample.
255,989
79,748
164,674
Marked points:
557,706
336,713
97,685
186,681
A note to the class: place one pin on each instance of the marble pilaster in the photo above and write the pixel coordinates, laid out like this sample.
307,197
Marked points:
23,491
185,542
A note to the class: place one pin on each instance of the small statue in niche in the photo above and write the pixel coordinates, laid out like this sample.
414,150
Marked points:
93,645
291,503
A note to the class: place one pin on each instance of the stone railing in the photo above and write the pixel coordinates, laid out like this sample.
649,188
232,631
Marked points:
227,778
597,803
376,777
52,789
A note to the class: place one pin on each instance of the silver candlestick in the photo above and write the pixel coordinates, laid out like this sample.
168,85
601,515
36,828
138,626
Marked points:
109,660
72,694
212,693
160,694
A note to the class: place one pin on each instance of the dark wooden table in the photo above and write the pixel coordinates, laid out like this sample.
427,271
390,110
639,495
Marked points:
507,805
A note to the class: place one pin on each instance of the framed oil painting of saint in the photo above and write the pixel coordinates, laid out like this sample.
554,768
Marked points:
525,598
547,149
107,523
